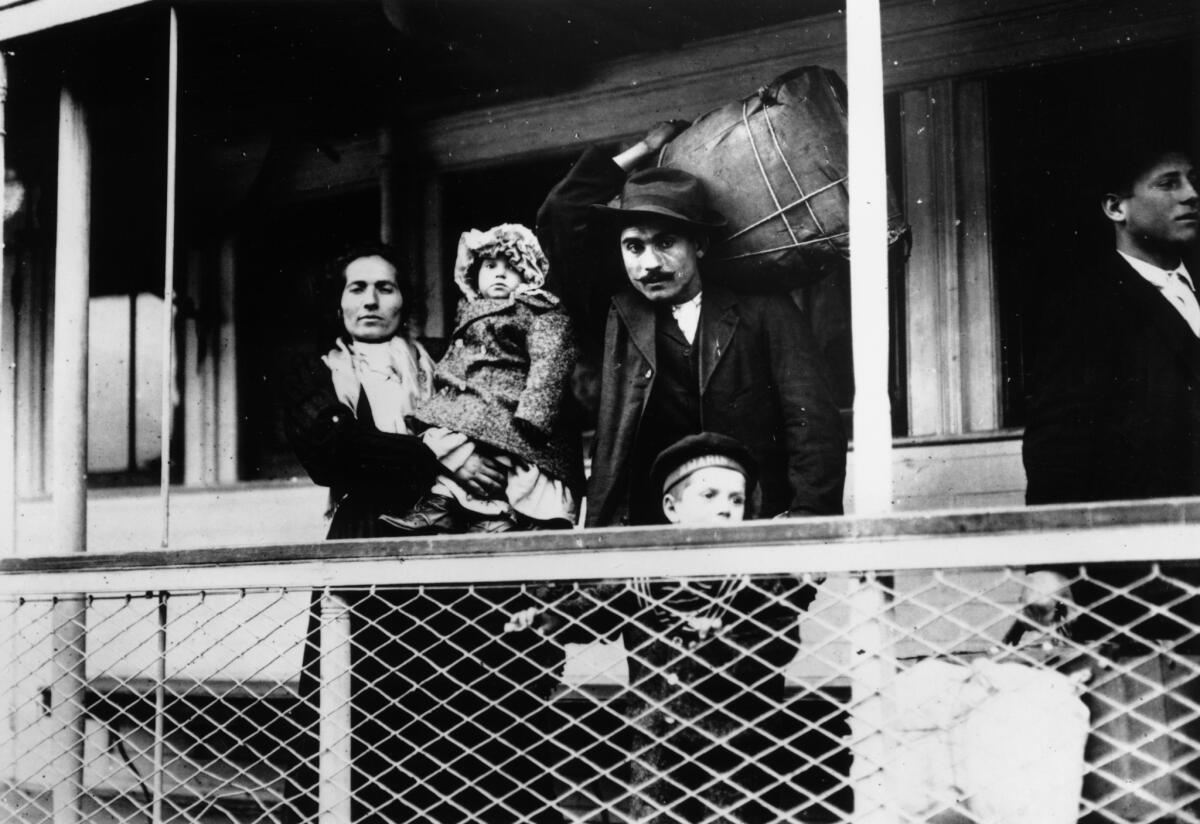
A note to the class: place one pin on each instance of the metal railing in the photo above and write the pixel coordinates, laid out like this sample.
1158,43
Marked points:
830,670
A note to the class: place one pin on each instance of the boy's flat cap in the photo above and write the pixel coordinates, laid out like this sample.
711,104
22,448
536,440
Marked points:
694,452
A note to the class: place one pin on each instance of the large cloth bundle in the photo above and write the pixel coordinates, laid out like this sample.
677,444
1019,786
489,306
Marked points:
775,164
1000,740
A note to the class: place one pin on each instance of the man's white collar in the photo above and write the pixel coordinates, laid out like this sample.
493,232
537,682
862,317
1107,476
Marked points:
1156,275
687,315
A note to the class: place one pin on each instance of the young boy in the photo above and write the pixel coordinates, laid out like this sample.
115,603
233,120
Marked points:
500,390
706,656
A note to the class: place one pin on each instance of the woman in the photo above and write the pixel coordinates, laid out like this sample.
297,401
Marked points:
424,745
345,411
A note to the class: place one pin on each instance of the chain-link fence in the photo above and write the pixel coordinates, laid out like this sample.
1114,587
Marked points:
989,693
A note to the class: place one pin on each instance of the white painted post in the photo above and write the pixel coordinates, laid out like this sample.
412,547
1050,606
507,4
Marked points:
66,691
72,250
868,260
69,453
871,674
334,702
168,319
199,449
168,335
9,678
8,376
874,669
226,400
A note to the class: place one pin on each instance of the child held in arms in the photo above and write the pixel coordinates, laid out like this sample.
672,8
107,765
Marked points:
500,392
706,655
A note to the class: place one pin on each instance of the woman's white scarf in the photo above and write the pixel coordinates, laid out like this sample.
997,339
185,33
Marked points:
396,375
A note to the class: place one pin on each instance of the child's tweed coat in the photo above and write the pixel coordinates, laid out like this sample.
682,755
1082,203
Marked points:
505,382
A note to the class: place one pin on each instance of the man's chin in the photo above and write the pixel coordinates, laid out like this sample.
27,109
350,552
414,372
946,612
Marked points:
658,294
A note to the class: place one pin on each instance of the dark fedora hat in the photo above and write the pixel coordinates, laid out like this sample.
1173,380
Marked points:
666,193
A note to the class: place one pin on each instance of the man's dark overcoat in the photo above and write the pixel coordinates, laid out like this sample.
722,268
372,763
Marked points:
1115,415
761,379
1115,412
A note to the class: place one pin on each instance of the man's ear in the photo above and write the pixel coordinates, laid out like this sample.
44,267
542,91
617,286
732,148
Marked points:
668,505
701,243
1113,206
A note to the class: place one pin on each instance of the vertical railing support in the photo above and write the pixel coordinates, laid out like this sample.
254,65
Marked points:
160,713
8,353
226,401
868,259
168,319
71,276
871,675
72,250
874,669
8,431
8,424
67,688
334,703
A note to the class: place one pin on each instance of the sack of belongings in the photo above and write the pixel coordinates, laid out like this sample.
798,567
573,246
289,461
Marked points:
1000,742
775,164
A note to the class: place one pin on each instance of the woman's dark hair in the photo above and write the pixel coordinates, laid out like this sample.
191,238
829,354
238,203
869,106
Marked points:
333,282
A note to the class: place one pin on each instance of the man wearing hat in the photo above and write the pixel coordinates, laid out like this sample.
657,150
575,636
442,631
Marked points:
681,355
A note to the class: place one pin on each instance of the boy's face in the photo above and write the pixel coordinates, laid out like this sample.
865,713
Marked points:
709,496
497,279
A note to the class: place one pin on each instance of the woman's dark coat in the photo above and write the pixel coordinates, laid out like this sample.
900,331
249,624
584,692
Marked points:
425,746
368,472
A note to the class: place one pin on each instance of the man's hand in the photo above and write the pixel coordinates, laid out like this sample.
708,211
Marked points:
661,134
523,620
482,477
1046,600
536,618
704,627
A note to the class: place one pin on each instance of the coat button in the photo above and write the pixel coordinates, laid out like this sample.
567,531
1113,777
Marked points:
649,372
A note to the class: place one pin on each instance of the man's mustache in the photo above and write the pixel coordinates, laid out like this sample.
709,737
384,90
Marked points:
658,277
